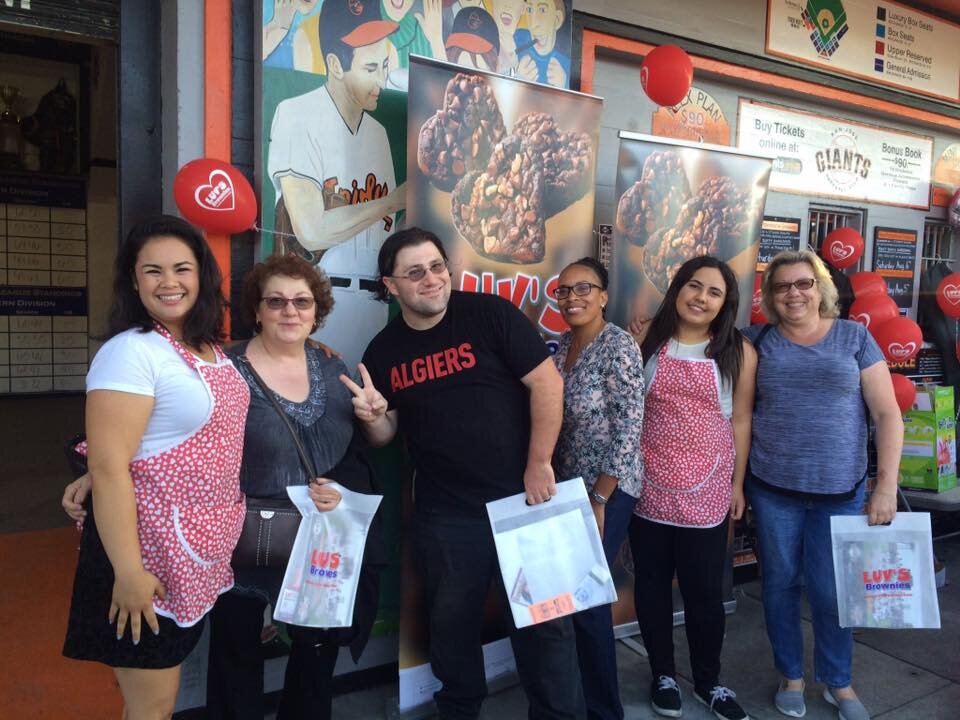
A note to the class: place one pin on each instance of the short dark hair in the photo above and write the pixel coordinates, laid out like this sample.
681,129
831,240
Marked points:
387,259
204,322
291,266
596,266
330,42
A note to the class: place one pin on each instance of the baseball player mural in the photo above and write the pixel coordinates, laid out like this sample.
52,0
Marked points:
330,165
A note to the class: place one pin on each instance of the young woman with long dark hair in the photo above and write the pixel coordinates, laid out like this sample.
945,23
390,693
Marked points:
696,436
164,420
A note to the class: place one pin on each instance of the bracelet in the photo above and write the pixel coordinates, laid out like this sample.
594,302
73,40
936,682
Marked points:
598,498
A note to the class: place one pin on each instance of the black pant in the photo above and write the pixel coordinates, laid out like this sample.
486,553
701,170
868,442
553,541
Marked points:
697,556
235,669
458,561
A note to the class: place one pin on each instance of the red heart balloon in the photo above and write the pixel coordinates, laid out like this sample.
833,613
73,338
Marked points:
948,295
873,311
843,247
756,309
215,196
899,339
867,283
666,75
904,390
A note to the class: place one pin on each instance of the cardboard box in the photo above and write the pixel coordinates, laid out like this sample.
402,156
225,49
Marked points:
929,459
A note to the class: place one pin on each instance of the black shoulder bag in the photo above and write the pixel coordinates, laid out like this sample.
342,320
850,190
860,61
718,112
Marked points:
270,524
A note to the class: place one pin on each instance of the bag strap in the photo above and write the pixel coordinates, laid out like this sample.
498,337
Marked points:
307,465
760,336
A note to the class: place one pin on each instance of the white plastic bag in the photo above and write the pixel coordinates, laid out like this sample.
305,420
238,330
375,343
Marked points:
550,554
320,582
884,573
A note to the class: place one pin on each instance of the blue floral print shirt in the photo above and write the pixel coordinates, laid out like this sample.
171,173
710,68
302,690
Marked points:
602,411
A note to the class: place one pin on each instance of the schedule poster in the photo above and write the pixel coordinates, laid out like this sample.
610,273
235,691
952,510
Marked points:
43,285
895,258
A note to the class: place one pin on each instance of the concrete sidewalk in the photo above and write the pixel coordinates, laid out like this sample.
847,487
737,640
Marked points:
899,675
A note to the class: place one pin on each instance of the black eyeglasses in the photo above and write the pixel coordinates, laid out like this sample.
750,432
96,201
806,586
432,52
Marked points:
438,267
275,302
579,289
781,288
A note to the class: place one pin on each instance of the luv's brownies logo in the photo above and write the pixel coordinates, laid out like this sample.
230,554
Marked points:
827,22
901,351
952,294
217,193
839,251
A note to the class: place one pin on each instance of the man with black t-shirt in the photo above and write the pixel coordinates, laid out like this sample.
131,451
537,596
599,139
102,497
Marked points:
471,384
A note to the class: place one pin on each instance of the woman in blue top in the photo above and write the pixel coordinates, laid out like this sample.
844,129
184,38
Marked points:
808,461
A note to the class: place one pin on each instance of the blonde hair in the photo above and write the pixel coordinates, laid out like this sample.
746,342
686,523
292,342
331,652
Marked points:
829,296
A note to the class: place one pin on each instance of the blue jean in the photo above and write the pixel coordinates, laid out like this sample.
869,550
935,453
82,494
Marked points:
596,648
793,535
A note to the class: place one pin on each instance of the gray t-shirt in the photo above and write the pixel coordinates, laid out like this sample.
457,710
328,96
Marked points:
809,417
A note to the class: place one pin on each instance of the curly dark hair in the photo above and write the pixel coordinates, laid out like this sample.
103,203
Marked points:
595,266
291,266
204,322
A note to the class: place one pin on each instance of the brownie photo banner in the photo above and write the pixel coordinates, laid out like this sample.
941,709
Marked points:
677,201
503,171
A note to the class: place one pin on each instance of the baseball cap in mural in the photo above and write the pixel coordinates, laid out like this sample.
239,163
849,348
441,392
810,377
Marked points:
474,31
359,21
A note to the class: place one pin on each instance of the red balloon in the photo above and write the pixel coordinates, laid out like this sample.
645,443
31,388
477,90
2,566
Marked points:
948,295
873,311
905,391
666,75
756,309
866,283
215,196
843,247
899,339
953,212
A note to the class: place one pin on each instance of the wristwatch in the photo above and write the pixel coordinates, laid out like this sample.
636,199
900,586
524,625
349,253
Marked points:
598,498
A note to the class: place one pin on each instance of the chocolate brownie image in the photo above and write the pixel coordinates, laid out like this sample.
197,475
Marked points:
567,159
500,211
655,200
460,136
710,223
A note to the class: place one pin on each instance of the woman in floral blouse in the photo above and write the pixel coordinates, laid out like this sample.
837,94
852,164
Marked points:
600,442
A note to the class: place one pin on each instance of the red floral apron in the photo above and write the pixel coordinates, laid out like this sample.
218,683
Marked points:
189,505
687,445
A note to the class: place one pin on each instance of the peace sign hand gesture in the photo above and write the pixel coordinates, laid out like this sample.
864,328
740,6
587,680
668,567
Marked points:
368,404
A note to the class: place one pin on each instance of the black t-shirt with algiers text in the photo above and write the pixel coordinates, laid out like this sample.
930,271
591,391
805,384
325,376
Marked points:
462,406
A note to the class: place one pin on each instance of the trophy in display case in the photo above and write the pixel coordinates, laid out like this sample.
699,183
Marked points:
11,140
53,128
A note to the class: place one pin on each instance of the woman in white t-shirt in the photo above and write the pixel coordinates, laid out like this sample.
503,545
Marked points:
164,420
696,436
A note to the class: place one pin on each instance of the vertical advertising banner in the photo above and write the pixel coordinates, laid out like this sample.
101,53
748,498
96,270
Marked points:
678,201
503,171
